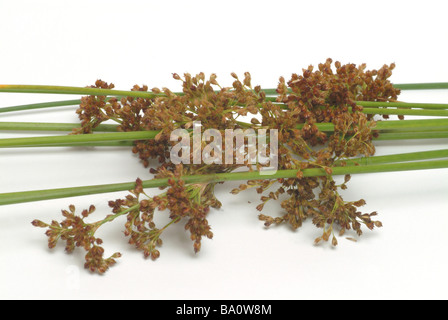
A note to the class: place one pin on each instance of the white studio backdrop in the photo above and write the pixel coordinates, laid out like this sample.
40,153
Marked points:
131,42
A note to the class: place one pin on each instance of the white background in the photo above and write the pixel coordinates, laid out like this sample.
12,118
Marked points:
144,42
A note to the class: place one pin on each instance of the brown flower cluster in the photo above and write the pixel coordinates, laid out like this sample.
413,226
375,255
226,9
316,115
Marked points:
93,109
190,203
320,96
325,95
77,233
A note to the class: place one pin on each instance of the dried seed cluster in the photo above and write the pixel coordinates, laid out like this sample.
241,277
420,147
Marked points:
77,233
314,97
327,94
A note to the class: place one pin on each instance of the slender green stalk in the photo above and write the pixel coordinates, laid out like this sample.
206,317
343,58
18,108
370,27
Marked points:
412,135
114,143
74,91
41,105
413,125
39,195
70,139
406,105
422,86
45,126
408,112
400,157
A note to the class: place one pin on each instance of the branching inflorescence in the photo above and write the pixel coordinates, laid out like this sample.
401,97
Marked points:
325,95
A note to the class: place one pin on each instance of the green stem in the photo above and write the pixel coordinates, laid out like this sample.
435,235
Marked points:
412,125
70,139
412,135
40,105
74,90
422,86
39,195
114,143
407,105
45,126
408,112
394,158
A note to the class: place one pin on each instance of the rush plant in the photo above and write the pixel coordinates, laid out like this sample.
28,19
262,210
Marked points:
327,120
